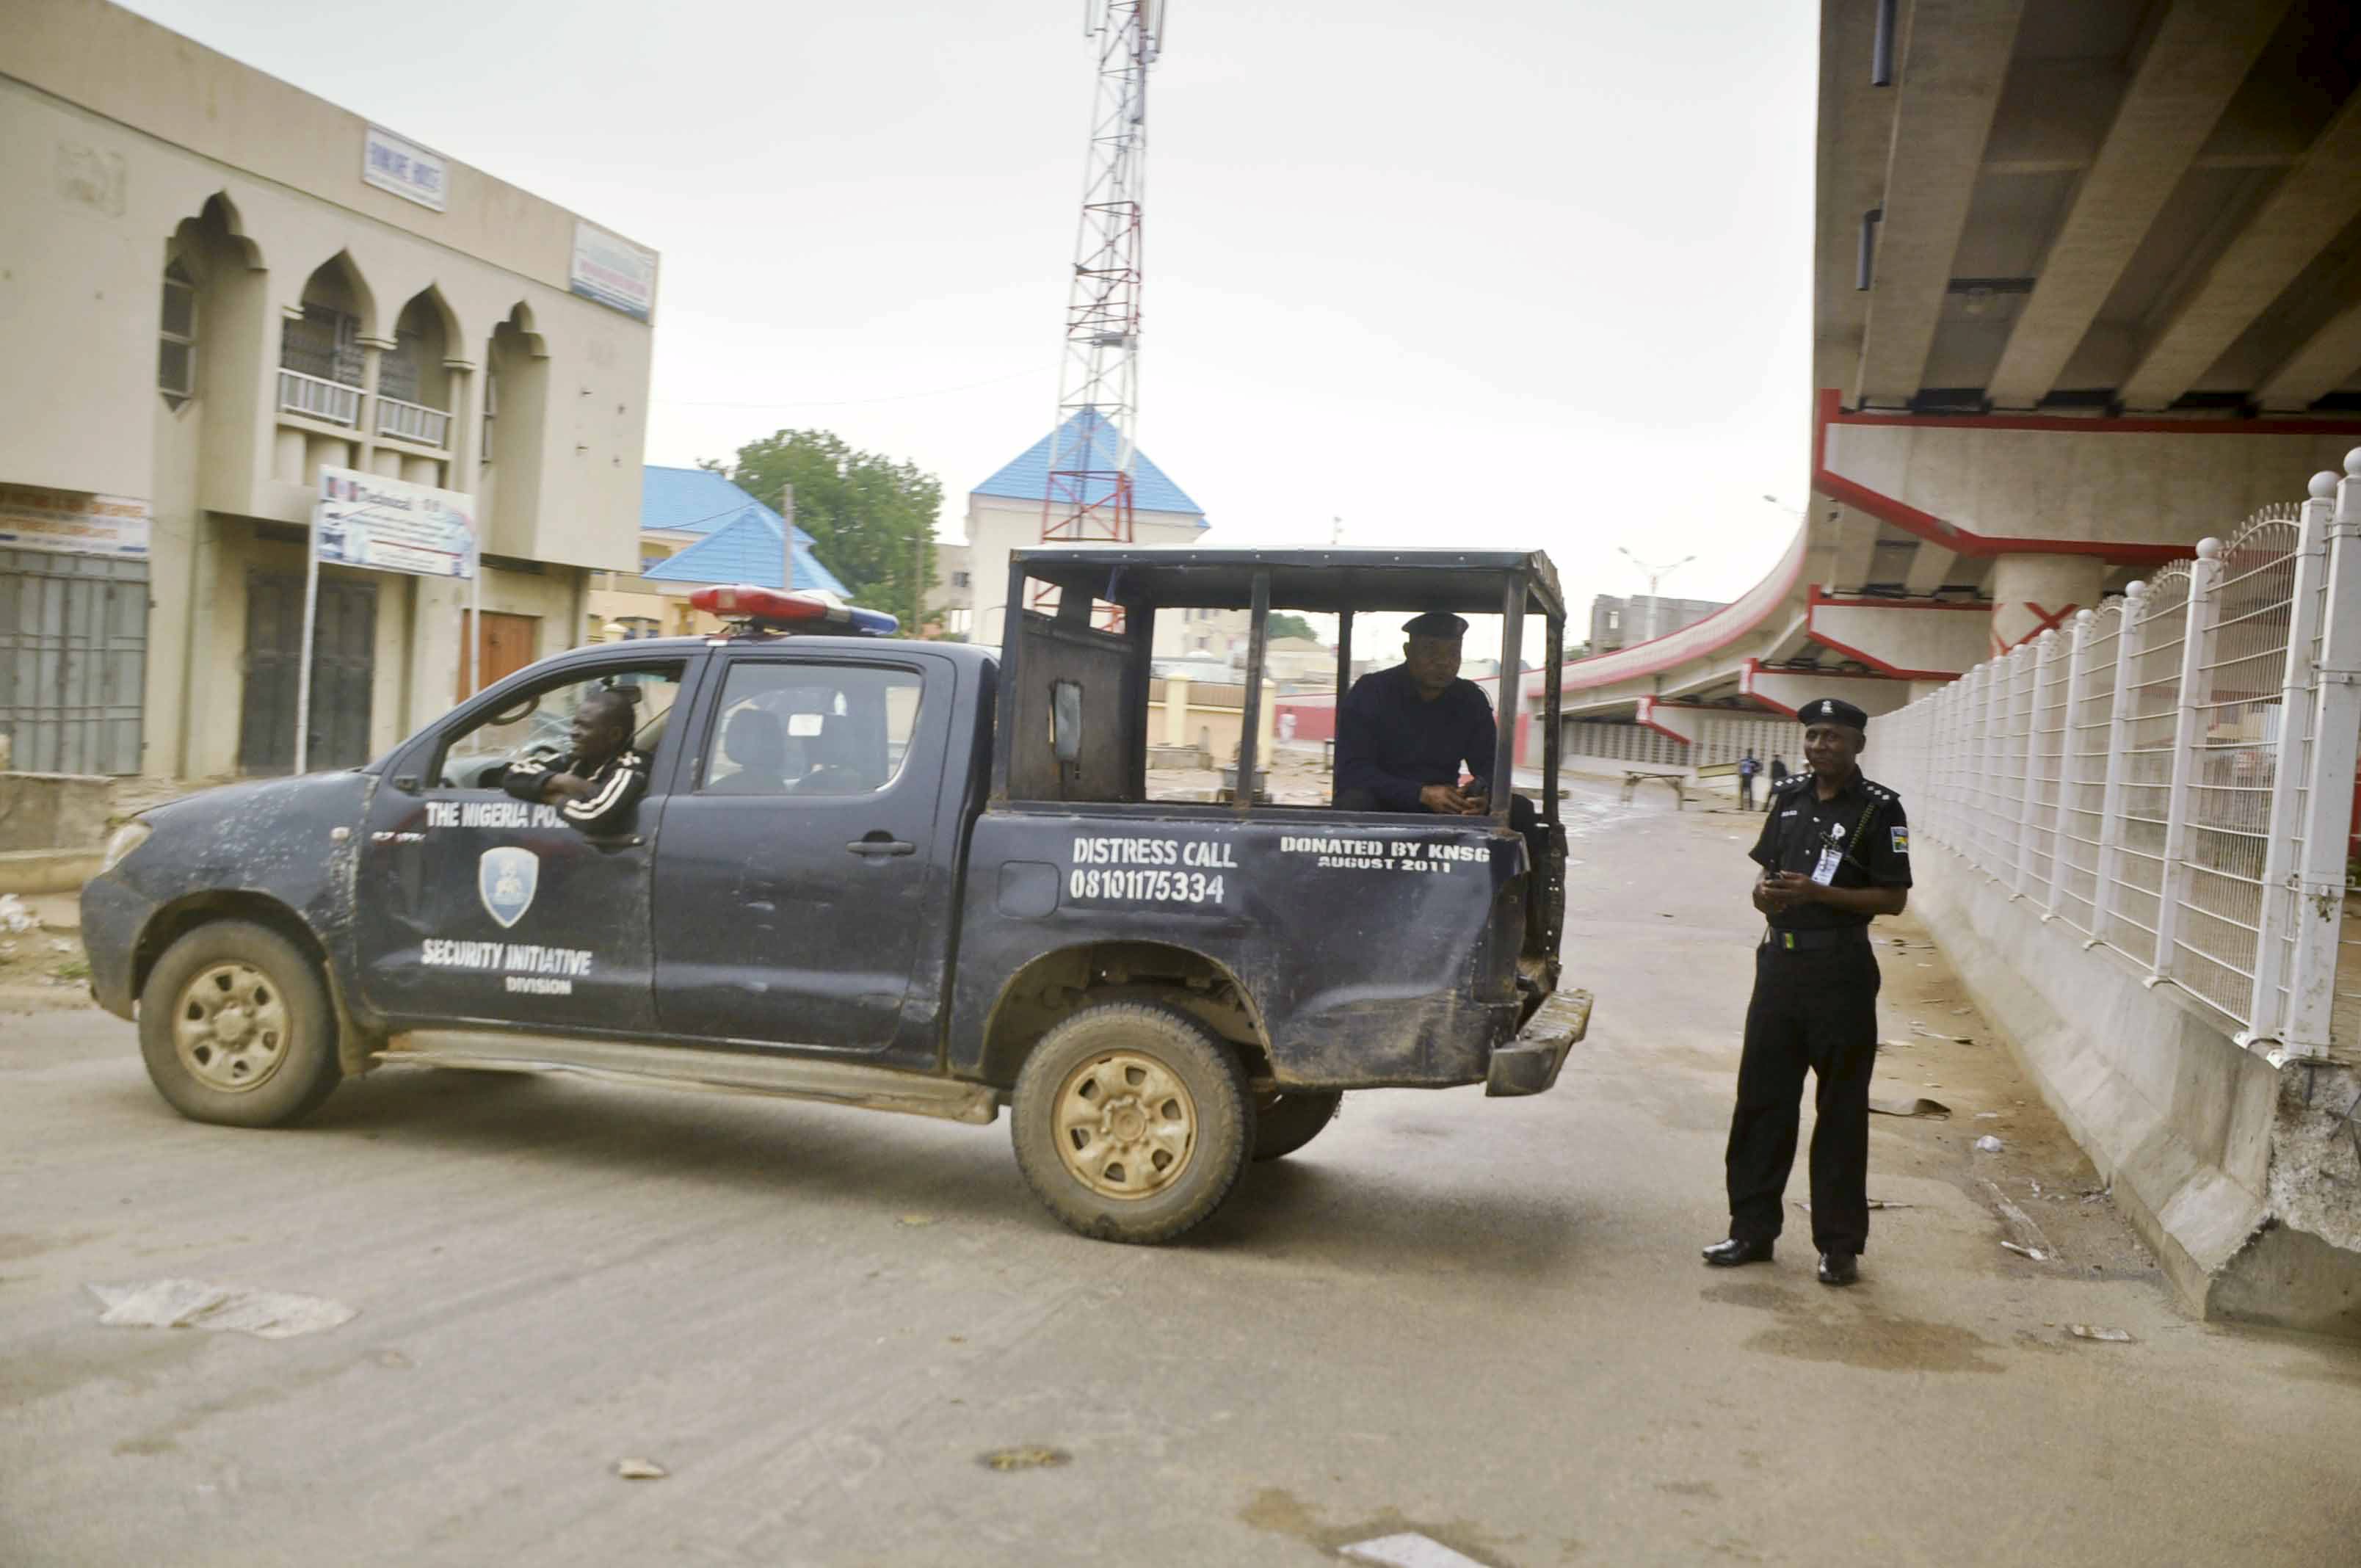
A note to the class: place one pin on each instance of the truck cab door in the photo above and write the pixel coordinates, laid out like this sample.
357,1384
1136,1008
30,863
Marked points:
475,906
806,881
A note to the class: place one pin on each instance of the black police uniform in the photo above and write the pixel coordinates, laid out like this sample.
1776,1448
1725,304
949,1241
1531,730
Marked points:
1815,1006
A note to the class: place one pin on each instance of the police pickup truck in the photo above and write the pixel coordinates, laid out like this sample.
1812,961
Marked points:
906,875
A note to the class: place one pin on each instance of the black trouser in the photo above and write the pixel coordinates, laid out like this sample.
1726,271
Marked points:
1746,792
1816,1008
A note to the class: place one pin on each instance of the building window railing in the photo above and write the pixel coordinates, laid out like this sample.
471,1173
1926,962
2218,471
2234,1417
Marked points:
313,397
413,422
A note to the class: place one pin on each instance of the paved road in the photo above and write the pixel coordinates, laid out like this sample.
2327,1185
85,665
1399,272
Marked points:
1483,1320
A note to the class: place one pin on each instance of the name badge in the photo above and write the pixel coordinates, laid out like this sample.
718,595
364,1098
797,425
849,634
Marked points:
1825,872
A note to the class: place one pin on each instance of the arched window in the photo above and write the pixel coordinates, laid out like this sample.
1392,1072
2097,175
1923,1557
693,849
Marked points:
176,347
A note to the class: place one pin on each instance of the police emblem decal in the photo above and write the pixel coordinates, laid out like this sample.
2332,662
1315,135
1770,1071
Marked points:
506,879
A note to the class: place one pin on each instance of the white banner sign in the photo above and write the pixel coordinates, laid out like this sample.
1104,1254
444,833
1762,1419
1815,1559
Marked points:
73,522
406,168
387,525
613,272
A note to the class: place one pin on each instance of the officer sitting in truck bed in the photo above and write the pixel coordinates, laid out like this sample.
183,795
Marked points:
596,786
1403,733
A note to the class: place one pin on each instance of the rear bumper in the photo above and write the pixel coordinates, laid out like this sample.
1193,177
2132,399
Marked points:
1529,1063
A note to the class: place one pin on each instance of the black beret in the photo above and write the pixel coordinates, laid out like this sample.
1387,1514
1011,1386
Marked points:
1833,710
1435,623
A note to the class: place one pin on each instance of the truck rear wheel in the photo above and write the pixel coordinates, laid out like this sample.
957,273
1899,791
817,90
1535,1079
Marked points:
1132,1122
1291,1118
236,1028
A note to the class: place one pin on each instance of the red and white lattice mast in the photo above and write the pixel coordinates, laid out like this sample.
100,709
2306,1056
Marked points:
1089,497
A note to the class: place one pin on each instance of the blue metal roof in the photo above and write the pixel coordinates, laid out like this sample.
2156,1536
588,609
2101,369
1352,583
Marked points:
1027,477
746,550
696,501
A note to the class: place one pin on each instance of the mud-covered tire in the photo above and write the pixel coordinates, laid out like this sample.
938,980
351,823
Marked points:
233,992
1289,1119
1153,1114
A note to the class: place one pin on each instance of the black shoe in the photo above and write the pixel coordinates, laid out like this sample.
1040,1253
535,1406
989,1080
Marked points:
1840,1268
1734,1252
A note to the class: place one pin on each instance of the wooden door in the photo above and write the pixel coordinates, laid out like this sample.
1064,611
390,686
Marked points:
506,645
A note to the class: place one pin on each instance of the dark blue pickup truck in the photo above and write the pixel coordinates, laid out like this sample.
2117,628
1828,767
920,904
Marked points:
913,876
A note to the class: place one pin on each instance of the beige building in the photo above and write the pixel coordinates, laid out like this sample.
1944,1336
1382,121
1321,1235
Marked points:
212,287
1005,513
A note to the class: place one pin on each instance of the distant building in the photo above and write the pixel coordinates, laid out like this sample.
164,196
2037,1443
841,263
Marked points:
951,603
1003,513
1299,660
1620,622
698,528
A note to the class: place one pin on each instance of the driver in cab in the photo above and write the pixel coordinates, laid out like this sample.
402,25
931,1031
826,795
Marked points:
596,786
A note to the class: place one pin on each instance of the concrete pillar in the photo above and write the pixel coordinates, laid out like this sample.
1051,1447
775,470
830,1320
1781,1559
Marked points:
2032,594
1176,710
287,456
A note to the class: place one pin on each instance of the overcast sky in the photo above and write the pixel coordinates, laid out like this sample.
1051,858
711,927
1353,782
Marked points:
1529,274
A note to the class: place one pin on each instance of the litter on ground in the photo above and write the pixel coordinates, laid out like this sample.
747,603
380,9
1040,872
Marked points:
1918,1106
193,1304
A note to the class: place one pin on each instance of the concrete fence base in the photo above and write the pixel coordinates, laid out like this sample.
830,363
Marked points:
54,811
2244,1179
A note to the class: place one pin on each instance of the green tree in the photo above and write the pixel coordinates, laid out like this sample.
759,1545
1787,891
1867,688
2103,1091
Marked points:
872,519
1283,624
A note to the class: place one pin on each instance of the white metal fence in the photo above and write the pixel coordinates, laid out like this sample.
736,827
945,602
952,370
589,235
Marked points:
2174,777
322,399
413,422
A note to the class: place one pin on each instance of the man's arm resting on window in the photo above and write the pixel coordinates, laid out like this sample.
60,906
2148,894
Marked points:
608,807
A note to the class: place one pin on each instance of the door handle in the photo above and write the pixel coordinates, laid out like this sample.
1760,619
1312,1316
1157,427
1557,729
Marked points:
880,846
629,841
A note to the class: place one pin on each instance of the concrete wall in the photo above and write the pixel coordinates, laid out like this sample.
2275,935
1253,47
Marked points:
2099,486
49,811
2233,1172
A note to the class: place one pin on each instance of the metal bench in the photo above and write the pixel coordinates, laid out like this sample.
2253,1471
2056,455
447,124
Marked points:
1632,780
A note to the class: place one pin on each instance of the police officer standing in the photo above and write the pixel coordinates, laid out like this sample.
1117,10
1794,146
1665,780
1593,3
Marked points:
1834,854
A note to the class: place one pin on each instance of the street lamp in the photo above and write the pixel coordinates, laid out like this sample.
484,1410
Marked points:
1654,576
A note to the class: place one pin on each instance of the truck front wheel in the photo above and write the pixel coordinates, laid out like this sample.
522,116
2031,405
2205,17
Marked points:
236,1027
1132,1122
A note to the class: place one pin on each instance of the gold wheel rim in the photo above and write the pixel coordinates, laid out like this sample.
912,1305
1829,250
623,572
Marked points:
229,1027
1125,1125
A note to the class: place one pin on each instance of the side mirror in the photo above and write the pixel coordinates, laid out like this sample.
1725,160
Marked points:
1066,720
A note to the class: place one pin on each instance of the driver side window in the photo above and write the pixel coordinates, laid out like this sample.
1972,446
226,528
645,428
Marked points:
540,724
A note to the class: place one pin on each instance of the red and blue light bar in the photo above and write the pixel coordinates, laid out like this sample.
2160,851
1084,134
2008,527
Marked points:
773,609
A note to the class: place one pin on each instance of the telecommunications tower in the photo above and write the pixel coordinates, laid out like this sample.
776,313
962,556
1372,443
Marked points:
1088,496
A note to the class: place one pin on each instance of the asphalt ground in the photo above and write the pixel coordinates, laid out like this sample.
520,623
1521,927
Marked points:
1485,1322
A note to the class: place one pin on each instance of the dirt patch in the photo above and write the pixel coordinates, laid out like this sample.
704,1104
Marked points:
1851,1329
